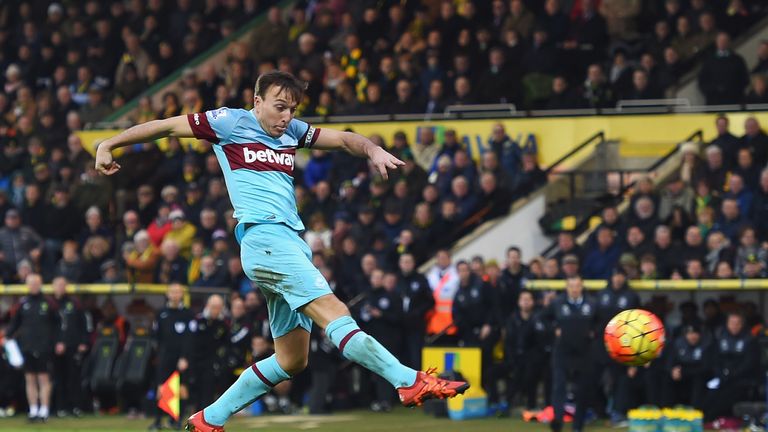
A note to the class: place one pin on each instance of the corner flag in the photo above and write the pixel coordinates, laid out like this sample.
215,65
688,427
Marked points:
168,399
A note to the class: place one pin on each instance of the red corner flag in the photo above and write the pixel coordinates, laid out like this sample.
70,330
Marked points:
168,399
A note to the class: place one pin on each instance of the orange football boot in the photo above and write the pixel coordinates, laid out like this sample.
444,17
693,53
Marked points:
197,423
429,386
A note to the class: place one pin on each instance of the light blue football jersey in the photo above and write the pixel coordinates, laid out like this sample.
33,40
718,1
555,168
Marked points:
258,168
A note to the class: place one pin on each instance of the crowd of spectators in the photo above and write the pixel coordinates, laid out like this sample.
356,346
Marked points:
71,63
707,221
419,57
166,217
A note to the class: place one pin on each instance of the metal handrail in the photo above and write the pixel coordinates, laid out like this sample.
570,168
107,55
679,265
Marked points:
578,148
698,135
450,109
646,103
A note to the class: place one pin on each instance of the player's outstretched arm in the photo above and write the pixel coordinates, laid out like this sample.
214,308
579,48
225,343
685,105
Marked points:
358,145
175,126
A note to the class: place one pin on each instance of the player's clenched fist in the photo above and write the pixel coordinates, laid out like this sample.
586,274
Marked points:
104,162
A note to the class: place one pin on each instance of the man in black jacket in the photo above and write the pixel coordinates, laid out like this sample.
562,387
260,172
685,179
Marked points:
212,339
686,366
735,368
613,299
573,316
476,317
382,316
35,324
511,281
524,350
172,334
723,76
417,302
70,349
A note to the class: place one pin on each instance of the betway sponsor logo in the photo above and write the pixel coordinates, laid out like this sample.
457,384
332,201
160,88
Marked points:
268,155
258,157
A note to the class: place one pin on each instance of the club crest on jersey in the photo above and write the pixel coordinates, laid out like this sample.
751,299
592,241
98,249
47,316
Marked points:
221,112
258,157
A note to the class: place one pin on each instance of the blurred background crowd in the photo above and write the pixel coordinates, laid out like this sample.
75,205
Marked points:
167,219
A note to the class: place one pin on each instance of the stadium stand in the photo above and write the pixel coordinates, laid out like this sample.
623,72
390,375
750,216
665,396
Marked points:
168,219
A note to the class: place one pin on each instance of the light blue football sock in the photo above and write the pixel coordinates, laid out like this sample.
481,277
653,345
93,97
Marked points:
251,385
361,348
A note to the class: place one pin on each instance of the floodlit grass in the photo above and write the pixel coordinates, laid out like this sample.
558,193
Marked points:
401,420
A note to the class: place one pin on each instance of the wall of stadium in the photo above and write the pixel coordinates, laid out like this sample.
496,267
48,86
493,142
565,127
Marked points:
640,135
520,229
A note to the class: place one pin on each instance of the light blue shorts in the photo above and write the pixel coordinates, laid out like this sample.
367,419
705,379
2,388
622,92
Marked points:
280,263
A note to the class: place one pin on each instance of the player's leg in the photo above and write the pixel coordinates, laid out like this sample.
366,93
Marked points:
44,381
30,379
413,387
291,352
332,315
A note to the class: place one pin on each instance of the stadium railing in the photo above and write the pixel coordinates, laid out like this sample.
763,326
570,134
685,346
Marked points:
585,224
661,284
107,289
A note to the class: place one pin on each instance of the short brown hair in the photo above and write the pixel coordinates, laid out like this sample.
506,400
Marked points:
284,81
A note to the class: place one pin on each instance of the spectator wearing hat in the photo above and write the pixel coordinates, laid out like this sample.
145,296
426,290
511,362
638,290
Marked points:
691,162
182,232
675,194
95,109
570,266
110,273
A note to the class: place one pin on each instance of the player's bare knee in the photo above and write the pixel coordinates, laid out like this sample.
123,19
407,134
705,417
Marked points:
292,364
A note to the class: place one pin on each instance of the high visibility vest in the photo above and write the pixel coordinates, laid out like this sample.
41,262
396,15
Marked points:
441,317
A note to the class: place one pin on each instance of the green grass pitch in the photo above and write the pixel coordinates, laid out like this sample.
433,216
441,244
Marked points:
400,420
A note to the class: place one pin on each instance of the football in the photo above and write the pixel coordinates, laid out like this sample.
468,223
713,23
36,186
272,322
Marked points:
634,337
